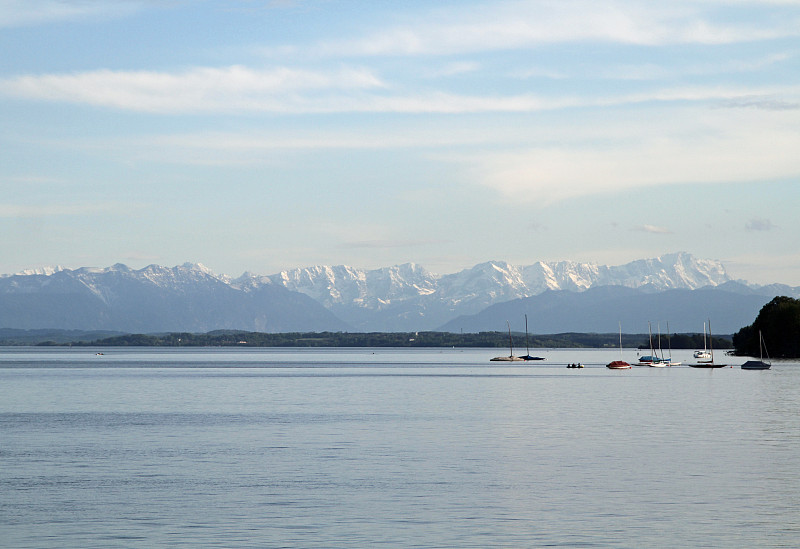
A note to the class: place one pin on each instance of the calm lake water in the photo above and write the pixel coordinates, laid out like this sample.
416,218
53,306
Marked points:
392,448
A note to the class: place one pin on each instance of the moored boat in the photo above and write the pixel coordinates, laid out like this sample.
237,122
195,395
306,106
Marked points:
756,365
703,355
619,364
652,359
759,364
510,357
710,363
527,347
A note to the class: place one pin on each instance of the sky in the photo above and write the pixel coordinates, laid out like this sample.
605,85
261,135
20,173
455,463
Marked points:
263,135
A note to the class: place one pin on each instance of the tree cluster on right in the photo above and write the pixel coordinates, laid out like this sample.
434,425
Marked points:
779,324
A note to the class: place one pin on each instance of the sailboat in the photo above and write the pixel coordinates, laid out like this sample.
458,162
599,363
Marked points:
660,362
510,357
758,364
652,359
704,354
709,364
527,348
619,364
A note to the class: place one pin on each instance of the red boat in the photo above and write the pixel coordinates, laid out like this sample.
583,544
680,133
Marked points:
619,364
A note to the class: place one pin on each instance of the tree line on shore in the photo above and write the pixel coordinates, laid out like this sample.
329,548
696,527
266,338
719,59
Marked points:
230,338
778,322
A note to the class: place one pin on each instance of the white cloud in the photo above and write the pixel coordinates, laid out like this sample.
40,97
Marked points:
201,89
763,268
17,13
289,90
713,147
253,148
734,65
512,25
456,68
652,229
766,102
759,224
382,244
22,211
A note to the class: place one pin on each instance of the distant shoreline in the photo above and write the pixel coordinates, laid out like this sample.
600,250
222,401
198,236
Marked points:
236,338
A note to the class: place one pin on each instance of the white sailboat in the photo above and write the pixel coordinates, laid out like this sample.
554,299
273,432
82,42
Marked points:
710,363
510,357
659,361
704,354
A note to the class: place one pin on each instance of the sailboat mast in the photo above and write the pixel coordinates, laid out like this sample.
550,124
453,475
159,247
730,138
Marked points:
510,344
705,345
669,343
527,347
710,342
660,352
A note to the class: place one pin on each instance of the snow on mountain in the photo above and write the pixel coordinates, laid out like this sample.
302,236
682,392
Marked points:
604,308
399,298
373,289
45,271
188,297
407,297
495,281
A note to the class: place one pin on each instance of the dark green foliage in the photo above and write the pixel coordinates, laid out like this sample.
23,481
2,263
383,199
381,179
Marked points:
229,338
232,338
779,324
689,341
12,336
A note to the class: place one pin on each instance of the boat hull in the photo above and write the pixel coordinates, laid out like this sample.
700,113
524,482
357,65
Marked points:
756,365
618,365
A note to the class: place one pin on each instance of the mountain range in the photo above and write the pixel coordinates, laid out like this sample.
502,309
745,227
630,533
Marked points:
557,297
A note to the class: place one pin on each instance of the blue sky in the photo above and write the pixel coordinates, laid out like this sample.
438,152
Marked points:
264,135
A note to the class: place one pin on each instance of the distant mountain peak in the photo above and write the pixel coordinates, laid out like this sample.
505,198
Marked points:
409,291
403,297
196,267
41,271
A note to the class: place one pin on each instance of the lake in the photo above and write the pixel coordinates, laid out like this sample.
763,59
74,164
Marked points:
144,447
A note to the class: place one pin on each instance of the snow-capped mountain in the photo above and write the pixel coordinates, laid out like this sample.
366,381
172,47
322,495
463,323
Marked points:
603,308
668,272
40,271
155,299
372,289
407,297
